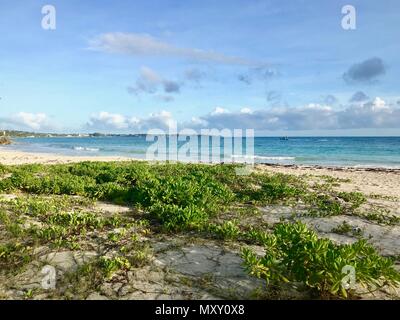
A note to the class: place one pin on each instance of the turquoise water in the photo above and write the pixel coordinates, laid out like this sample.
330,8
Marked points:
340,151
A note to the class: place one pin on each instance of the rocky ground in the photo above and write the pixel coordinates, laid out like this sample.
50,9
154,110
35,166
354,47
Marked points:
175,267
186,265
179,267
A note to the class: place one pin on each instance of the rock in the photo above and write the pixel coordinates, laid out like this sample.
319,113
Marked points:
5,141
67,261
221,269
96,296
107,289
109,208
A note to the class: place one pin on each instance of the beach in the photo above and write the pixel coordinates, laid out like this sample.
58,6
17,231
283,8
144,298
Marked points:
112,217
12,157
374,180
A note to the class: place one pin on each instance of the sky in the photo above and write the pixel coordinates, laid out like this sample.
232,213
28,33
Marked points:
278,67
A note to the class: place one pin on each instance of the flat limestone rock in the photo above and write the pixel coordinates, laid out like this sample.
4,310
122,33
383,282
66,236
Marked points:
67,260
96,296
222,268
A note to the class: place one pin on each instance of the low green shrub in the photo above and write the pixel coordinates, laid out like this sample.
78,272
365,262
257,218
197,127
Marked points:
228,230
324,205
111,265
268,188
355,198
13,255
184,201
295,254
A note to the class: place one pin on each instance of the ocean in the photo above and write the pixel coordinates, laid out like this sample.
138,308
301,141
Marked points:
329,151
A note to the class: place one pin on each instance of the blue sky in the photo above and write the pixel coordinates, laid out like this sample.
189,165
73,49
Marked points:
127,66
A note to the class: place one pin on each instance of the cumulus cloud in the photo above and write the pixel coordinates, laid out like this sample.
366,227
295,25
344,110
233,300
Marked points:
372,114
27,121
359,96
219,110
105,120
149,81
145,45
111,122
365,72
246,110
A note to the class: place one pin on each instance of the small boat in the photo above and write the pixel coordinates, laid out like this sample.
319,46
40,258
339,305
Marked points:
284,138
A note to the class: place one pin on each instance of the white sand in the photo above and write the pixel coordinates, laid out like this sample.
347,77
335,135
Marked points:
383,182
9,157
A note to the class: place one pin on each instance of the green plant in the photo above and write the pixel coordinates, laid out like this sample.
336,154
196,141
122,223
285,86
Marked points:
380,217
267,188
346,228
76,220
37,206
256,236
323,205
14,255
111,265
343,228
3,169
295,254
355,198
116,236
227,230
184,201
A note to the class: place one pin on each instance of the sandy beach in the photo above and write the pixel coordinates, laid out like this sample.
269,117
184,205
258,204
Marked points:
371,181
11,157
188,254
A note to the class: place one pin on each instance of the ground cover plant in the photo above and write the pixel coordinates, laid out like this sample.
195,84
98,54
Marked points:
296,254
54,207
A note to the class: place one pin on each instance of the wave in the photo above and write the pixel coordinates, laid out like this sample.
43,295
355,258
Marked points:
86,149
263,157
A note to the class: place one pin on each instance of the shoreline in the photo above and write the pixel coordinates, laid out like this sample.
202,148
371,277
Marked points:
368,202
16,157
332,167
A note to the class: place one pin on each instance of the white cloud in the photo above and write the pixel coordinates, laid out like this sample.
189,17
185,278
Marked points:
145,45
378,104
374,114
219,110
109,122
106,120
245,110
27,121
